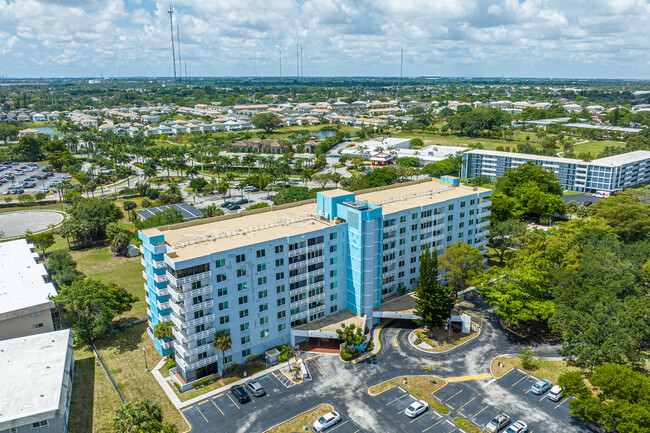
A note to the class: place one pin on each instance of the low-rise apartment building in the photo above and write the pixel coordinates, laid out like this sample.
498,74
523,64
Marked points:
613,173
25,307
37,374
273,276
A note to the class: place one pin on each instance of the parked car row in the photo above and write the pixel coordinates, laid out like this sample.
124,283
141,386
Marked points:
253,386
499,422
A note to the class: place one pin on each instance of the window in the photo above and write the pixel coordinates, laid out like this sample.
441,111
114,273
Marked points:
240,258
449,238
333,296
333,261
264,333
261,280
221,277
242,286
460,235
223,306
282,314
37,326
461,225
414,259
264,307
414,249
279,276
402,219
402,252
220,263
414,216
39,424
333,308
402,241
261,253
333,285
264,320
279,262
281,302
282,327
462,214
243,313
451,207
222,291
472,202
227,359
315,241
462,204
414,227
333,273
332,236
262,294
402,230
332,248
413,270
450,218
243,300
261,267
279,289
36,314
449,228
243,327
224,319
279,249
245,353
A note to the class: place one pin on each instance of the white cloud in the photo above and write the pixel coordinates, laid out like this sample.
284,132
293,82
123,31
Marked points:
339,37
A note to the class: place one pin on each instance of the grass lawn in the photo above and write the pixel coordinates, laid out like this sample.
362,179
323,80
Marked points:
250,369
124,355
304,419
19,208
419,386
453,140
94,400
550,370
99,264
466,425
595,146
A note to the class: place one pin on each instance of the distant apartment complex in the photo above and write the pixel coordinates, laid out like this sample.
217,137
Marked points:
282,275
613,173
37,373
25,308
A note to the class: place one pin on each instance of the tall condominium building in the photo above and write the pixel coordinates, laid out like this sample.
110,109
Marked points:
25,307
279,275
613,173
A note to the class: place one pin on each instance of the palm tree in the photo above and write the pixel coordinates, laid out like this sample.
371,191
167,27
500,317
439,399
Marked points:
248,161
305,175
222,342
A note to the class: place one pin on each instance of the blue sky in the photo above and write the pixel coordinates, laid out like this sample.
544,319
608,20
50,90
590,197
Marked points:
531,38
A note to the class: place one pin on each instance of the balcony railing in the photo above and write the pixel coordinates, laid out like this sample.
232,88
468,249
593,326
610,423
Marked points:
189,279
482,224
307,275
161,292
299,316
158,264
178,295
484,214
205,319
481,243
484,203
300,303
159,278
162,305
186,309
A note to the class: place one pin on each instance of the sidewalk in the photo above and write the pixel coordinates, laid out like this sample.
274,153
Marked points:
167,387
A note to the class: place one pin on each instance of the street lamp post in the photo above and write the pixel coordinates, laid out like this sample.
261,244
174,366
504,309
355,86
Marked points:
144,353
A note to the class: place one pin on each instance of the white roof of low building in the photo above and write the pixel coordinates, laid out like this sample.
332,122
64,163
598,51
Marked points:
35,377
22,286
623,158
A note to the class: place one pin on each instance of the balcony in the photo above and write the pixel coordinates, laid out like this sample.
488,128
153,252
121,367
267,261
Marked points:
317,309
484,203
299,316
142,262
482,224
178,294
203,362
482,233
141,249
307,275
437,238
158,264
201,320
162,305
484,214
160,278
161,292
189,279
300,303
481,243
144,275
182,309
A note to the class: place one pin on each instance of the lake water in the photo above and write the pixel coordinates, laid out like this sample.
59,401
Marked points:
49,130
323,133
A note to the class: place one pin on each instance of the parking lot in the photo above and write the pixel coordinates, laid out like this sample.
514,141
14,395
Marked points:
479,401
25,177
223,412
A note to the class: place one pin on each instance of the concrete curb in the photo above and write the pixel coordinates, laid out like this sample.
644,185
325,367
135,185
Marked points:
448,350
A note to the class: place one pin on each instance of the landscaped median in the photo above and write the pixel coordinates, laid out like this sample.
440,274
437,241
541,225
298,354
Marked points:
550,370
467,426
422,387
299,421
441,343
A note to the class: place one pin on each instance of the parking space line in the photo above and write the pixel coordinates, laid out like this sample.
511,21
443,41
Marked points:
215,405
450,423
527,391
233,402
560,404
397,399
454,395
518,381
197,408
474,416
432,426
543,397
187,408
340,425
473,398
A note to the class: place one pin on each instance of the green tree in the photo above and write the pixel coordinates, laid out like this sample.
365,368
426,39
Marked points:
628,214
197,184
461,263
163,331
42,241
212,210
350,335
266,121
286,352
128,206
526,358
29,148
141,417
504,235
63,268
223,342
97,213
620,399
90,306
166,217
8,132
434,301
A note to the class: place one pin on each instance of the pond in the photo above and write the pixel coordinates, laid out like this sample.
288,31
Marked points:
323,133
49,130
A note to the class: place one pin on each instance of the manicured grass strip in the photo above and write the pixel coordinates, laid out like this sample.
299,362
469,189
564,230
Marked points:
420,386
466,425
304,419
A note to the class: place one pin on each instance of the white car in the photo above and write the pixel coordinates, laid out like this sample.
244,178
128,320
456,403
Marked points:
517,427
327,421
555,393
416,408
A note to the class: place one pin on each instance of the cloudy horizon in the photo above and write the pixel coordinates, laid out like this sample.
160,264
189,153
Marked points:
472,38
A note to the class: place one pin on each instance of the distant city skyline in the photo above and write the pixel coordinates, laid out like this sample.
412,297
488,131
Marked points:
472,38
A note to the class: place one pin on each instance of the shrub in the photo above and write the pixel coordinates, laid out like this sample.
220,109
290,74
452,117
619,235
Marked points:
178,387
146,203
349,356
171,363
205,381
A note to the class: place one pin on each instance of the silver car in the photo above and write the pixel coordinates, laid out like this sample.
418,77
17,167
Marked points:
255,388
498,423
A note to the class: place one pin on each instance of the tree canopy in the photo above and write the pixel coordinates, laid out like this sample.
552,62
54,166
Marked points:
90,216
141,417
165,217
461,263
266,121
434,301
